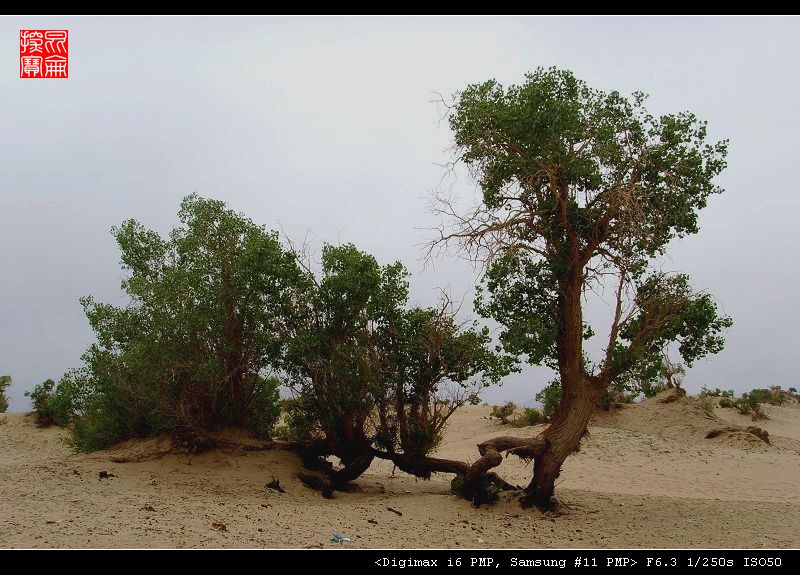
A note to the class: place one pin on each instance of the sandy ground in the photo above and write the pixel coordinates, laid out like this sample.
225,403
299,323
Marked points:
645,477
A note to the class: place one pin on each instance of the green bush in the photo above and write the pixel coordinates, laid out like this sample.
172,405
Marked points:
41,398
616,396
750,404
5,382
184,356
503,412
726,402
705,392
550,397
533,416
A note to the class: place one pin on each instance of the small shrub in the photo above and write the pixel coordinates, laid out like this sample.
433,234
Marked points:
614,398
707,403
532,416
550,397
41,398
503,412
474,399
705,392
5,382
750,404
726,402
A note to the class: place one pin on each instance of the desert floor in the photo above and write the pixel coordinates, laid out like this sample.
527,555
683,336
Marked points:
646,476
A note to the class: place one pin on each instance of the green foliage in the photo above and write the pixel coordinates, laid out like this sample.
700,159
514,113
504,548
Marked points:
580,185
5,383
185,355
704,391
503,412
41,398
264,409
616,396
367,370
726,402
532,416
550,397
749,403
668,311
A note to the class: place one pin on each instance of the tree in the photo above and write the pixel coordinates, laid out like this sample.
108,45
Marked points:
581,190
372,377
5,382
188,352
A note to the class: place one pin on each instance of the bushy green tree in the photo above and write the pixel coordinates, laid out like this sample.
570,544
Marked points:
582,189
187,353
373,377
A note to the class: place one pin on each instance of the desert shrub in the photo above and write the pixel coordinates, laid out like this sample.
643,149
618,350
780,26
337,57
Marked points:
726,402
750,404
707,402
185,356
621,393
41,398
503,412
652,388
550,397
705,392
5,382
775,395
530,416
474,399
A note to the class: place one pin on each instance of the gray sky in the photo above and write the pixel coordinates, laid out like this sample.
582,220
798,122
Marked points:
327,124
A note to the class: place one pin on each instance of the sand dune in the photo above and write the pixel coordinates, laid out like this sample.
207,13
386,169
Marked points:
645,477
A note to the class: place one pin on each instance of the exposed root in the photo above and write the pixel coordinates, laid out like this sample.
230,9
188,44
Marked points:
523,447
318,481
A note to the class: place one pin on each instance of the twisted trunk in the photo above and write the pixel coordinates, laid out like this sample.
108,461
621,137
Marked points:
580,393
559,440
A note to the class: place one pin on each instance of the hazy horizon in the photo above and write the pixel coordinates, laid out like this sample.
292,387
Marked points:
329,125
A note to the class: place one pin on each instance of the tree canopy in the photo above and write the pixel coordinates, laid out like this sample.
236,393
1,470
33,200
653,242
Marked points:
189,352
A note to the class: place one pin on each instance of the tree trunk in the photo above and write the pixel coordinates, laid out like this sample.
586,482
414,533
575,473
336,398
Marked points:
562,438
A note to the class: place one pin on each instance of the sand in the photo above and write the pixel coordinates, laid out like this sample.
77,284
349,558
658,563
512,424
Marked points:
644,477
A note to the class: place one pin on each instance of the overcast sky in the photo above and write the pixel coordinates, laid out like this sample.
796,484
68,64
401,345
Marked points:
326,124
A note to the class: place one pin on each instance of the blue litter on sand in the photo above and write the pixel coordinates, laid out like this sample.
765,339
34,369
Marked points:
336,538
